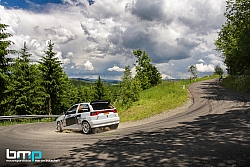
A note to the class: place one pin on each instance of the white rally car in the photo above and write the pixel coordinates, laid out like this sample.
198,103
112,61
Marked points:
89,116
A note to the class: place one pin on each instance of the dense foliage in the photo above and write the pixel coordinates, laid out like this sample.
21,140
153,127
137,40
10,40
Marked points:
233,40
146,73
54,80
4,64
25,95
218,70
44,88
129,89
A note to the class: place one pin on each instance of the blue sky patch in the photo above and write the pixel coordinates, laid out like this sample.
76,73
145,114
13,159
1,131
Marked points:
27,4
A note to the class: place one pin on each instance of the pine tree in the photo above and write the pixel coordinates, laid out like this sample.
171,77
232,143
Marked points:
4,51
26,95
100,90
86,93
20,84
68,95
53,79
4,64
37,92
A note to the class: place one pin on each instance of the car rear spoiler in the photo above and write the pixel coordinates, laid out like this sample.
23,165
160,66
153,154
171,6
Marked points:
100,101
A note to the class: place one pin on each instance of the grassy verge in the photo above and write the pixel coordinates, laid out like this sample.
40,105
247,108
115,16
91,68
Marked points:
156,100
240,83
24,121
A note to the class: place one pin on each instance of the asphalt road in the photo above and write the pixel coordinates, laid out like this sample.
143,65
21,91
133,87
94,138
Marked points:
214,130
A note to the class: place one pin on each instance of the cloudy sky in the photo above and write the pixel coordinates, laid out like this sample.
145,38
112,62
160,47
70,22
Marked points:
98,39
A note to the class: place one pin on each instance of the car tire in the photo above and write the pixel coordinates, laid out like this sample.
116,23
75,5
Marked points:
113,127
59,126
86,129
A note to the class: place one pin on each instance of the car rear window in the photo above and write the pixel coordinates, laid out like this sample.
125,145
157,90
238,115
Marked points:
101,106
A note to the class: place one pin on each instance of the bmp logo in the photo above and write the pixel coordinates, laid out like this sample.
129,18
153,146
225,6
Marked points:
31,155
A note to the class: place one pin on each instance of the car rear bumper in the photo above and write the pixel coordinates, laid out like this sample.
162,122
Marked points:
104,122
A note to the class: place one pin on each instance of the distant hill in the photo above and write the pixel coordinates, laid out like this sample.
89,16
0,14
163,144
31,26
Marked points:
88,81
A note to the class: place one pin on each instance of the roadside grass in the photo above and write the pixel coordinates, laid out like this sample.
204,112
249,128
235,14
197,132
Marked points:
25,121
155,100
165,96
240,83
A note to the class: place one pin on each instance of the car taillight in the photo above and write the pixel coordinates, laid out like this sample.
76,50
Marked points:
114,111
94,113
104,111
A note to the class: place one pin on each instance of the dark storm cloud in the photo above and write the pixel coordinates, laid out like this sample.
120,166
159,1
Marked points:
85,29
135,38
183,42
91,39
200,27
114,38
104,48
200,18
160,52
150,10
164,52
116,45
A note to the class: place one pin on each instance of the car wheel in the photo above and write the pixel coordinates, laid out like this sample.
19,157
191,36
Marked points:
86,129
59,126
112,127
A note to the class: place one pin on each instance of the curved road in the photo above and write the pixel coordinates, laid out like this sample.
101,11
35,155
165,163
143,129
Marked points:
214,130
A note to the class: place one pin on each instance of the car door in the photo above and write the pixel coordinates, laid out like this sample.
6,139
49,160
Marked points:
70,116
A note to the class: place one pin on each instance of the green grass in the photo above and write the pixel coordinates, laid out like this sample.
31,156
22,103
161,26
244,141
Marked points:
240,83
25,121
156,100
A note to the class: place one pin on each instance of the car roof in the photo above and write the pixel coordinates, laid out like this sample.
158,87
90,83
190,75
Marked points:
96,101
100,101
84,103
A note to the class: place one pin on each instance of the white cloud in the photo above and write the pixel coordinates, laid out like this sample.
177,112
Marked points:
70,55
165,76
205,67
9,18
200,60
88,66
133,71
116,68
60,34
